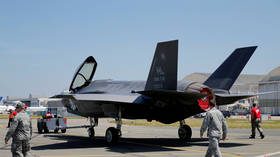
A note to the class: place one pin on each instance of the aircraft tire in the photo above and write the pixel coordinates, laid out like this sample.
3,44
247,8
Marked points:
63,130
112,135
40,129
185,133
91,133
46,130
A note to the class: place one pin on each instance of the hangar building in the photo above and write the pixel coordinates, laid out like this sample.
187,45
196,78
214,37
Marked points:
270,102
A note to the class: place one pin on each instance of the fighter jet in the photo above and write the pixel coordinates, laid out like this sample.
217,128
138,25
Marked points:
161,98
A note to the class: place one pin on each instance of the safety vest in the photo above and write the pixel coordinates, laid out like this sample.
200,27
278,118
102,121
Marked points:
11,115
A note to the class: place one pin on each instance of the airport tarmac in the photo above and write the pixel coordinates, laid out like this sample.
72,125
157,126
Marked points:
141,141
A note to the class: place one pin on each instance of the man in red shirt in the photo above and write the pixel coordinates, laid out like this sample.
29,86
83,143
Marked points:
256,121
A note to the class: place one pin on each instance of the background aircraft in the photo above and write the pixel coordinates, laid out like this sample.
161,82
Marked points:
7,105
161,97
5,109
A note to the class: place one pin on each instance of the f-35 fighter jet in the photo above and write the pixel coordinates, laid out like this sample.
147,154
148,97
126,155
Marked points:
161,98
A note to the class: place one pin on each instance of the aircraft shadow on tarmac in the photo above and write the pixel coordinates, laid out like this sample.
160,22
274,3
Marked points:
126,145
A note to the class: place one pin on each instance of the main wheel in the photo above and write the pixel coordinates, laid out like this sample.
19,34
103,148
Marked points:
185,133
112,135
46,130
91,133
39,127
63,130
56,130
40,130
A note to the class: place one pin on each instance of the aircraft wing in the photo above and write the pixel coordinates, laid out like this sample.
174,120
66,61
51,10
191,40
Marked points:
154,94
99,97
224,99
100,105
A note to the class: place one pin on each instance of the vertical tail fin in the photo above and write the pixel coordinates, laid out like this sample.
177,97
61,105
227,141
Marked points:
227,73
163,72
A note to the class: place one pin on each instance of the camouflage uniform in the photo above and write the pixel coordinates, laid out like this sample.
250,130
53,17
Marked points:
21,132
217,127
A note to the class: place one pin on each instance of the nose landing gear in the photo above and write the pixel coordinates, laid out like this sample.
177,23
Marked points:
93,123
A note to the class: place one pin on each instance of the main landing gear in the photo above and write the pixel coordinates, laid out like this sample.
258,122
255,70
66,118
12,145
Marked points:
112,134
184,132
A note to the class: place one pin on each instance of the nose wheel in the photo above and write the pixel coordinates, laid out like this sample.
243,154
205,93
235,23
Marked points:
93,123
91,133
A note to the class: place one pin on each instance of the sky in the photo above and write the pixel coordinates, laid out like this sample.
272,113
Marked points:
43,42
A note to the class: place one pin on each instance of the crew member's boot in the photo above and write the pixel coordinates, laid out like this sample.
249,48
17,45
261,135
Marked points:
252,136
262,136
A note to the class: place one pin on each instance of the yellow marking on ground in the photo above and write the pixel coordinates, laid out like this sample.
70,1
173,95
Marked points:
101,155
185,149
252,153
269,154
116,155
248,141
84,155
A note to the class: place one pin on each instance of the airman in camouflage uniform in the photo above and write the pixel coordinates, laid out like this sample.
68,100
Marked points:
21,132
217,129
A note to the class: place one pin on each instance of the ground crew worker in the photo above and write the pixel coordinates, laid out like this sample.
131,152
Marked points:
256,121
21,131
217,129
11,117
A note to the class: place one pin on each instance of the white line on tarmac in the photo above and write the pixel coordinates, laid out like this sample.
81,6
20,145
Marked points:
270,154
7,145
118,155
185,149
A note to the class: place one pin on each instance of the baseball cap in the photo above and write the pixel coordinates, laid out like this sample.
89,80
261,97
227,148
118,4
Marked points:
20,105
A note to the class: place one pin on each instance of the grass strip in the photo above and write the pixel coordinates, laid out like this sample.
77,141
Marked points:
196,122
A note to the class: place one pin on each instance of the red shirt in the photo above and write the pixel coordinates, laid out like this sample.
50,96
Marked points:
15,113
48,115
255,113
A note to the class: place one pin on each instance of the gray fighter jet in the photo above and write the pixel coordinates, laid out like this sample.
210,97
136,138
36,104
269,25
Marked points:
161,97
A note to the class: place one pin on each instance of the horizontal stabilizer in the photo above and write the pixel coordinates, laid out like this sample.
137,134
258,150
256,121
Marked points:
224,77
225,99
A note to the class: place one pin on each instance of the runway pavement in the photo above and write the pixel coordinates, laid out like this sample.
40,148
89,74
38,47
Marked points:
141,141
